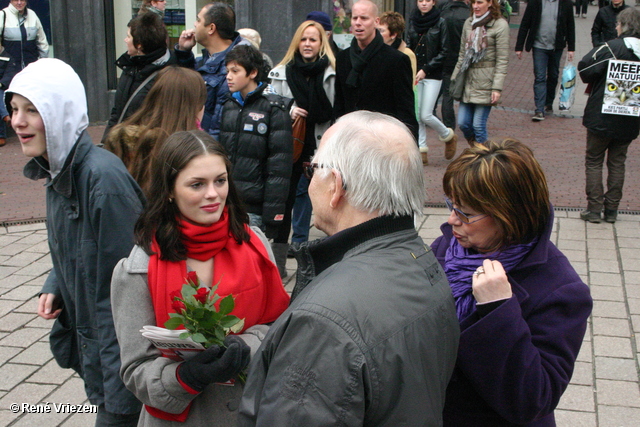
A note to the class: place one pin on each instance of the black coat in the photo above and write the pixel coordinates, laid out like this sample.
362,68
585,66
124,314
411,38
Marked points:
565,29
604,25
431,49
593,71
135,70
387,87
455,13
257,137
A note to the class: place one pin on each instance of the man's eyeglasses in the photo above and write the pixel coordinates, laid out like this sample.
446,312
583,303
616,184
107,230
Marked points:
309,168
463,216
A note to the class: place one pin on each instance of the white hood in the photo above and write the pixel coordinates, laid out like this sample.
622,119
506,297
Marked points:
58,94
633,44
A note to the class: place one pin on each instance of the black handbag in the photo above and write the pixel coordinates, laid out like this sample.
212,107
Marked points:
456,87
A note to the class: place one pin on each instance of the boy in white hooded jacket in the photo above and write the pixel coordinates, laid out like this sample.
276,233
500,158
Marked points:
92,205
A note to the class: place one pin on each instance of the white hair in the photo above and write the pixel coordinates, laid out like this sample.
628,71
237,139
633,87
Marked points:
379,162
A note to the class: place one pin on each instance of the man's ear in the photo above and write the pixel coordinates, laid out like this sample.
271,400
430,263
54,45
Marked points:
212,29
253,74
337,189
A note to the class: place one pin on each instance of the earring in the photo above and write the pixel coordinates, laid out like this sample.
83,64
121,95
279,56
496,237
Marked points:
170,199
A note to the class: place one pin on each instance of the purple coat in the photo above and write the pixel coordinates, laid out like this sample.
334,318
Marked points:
514,364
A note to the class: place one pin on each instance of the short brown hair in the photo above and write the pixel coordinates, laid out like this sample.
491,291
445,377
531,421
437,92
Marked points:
149,32
505,181
394,21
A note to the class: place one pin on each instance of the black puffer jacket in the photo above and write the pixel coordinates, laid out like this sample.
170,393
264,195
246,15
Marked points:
604,25
593,70
257,137
431,49
135,70
454,13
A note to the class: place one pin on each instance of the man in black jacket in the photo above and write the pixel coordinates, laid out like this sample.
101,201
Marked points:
604,26
608,134
454,12
547,26
371,75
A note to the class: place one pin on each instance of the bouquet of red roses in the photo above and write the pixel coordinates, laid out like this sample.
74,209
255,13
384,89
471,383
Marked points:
195,309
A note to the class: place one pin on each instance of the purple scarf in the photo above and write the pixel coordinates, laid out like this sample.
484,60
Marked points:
460,264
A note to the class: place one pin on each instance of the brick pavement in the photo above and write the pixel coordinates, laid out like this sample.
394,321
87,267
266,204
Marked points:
605,388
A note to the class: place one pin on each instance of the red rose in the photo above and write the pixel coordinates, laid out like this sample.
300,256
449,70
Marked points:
178,306
192,277
202,295
175,294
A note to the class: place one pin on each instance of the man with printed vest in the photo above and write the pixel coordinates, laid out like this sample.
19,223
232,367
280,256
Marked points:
23,42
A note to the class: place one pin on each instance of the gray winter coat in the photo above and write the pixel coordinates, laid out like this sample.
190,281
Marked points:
151,377
92,205
371,340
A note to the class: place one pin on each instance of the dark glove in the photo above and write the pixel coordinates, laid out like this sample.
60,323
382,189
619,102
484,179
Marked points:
215,364
271,231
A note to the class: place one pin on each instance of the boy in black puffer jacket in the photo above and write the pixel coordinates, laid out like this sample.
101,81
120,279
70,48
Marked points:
256,131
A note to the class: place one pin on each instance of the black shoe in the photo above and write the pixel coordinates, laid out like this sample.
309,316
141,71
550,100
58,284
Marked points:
610,215
593,217
548,109
538,116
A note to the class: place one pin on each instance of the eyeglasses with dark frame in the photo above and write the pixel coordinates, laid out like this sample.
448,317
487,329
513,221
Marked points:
309,168
465,218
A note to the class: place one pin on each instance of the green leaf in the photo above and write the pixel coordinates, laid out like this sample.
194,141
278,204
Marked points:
226,305
238,327
198,337
220,334
188,291
228,321
174,322
184,335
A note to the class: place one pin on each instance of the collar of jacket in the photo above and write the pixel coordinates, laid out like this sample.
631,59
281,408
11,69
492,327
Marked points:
215,61
13,10
330,250
237,96
157,57
36,168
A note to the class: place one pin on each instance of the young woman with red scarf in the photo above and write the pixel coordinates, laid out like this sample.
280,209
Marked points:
193,222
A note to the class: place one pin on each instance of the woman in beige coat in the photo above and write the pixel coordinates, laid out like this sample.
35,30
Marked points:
484,56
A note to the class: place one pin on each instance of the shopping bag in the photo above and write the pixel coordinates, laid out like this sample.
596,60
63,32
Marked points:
568,86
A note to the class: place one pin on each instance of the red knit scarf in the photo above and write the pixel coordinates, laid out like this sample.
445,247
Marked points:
242,270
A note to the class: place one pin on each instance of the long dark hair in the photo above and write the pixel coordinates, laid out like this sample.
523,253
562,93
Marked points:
160,217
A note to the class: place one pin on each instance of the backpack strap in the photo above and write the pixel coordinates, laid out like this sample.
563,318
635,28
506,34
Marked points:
133,95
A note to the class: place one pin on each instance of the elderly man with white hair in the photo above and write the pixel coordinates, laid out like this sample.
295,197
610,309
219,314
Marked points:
371,334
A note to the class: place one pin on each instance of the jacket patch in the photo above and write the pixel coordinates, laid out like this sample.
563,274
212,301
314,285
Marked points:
248,127
262,128
256,116
296,381
279,217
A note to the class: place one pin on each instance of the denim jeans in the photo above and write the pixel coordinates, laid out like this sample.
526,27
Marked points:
472,120
301,217
3,113
428,91
546,67
616,152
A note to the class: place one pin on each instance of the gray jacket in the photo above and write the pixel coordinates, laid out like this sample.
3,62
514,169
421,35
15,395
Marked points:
92,205
151,377
371,340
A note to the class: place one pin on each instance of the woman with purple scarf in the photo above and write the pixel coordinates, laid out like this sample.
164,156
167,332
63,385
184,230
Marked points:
522,307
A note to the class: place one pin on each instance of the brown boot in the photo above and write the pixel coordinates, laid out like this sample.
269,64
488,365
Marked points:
424,155
451,144
3,141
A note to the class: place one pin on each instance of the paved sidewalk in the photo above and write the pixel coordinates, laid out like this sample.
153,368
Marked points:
604,391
